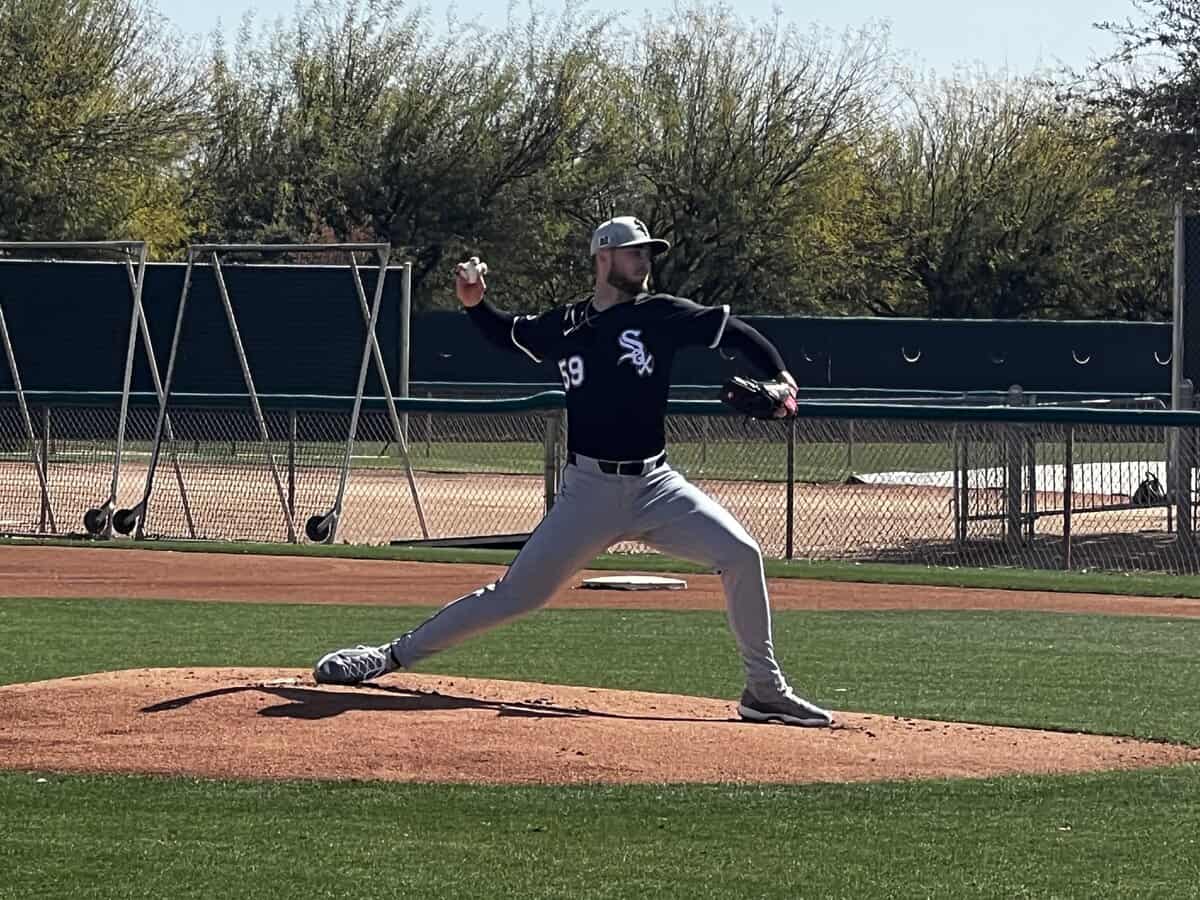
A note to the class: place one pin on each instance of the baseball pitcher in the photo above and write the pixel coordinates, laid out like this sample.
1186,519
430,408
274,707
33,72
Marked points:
614,352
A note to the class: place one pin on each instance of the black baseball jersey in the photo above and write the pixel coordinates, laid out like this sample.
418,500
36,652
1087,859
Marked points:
615,366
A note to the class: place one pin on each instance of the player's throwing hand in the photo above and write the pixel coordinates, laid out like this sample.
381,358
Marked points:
468,281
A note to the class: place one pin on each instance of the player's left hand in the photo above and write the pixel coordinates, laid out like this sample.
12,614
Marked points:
787,405
759,399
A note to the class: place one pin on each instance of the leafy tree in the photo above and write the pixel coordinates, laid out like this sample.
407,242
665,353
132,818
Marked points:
979,185
356,123
742,136
1119,246
96,111
488,143
1147,93
793,171
298,112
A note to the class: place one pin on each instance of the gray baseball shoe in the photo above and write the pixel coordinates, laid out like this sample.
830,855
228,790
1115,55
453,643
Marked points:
786,708
354,665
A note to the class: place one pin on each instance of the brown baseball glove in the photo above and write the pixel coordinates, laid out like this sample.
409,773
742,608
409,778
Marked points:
759,399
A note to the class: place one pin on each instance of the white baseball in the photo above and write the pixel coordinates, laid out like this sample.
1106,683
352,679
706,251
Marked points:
472,269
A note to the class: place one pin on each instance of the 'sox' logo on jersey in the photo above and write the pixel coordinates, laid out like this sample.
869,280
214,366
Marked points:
637,355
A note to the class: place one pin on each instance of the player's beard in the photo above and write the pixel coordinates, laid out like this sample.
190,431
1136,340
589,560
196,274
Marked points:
628,286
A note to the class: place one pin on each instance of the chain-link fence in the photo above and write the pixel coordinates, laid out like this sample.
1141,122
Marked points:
491,390
1065,487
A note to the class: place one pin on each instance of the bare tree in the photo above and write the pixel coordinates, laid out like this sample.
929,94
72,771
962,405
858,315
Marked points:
1147,93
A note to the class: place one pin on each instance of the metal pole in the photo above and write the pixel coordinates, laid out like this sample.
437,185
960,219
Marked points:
549,457
370,344
45,462
292,431
965,501
158,391
1178,488
405,339
1187,462
1013,443
399,425
1031,475
264,434
1179,291
790,516
955,506
361,246
162,406
134,318
183,494
1068,491
29,435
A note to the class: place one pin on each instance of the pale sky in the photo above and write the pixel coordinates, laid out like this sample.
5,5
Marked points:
1018,35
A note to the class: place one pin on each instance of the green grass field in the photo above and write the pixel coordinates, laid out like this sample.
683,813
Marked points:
1106,835
737,460
1094,836
726,459
1116,675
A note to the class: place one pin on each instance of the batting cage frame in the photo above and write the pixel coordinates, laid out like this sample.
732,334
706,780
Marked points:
38,464
97,520
320,527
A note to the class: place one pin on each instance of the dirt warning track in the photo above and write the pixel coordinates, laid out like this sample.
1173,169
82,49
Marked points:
169,575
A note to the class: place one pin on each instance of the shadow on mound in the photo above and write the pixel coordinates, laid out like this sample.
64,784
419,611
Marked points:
260,723
319,703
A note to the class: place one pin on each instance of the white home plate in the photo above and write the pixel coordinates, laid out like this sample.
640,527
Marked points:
635,583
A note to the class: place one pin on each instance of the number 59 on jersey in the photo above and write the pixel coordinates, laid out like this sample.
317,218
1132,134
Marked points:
572,372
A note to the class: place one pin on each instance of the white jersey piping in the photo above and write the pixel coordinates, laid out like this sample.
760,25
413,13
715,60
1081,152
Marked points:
512,333
721,330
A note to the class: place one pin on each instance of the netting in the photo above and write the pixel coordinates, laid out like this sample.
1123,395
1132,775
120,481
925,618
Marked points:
35,313
928,490
77,448
216,507
215,478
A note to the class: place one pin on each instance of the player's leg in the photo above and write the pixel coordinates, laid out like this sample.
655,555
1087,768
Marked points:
676,517
587,516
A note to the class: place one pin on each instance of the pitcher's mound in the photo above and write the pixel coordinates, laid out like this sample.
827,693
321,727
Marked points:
262,723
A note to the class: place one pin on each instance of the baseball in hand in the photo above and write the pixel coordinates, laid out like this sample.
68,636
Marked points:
472,269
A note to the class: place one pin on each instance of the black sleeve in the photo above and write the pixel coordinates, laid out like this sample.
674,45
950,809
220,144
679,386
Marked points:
693,325
495,324
751,343
535,336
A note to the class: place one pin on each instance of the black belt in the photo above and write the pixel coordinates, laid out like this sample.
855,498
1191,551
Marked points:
615,467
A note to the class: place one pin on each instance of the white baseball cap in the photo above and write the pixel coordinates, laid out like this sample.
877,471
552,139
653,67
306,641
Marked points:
626,231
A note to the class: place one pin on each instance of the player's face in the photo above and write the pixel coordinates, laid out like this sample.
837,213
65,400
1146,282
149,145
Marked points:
629,269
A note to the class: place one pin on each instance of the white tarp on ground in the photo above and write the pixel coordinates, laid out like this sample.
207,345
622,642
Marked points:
1121,478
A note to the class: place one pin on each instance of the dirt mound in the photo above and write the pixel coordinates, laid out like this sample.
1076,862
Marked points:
264,723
